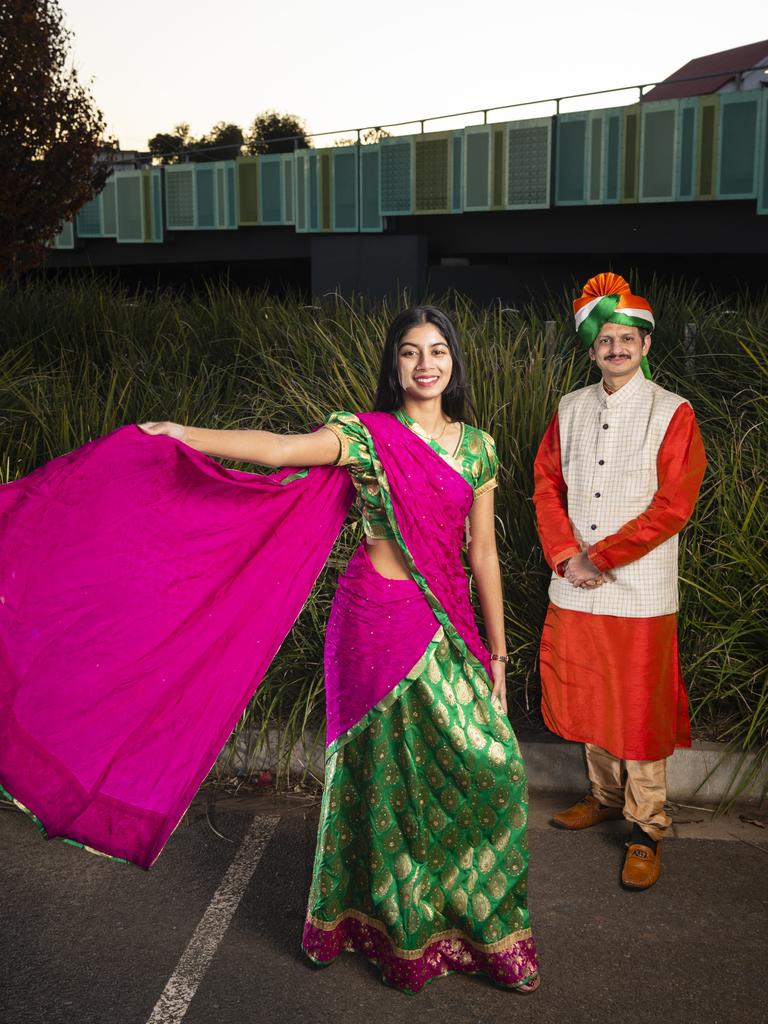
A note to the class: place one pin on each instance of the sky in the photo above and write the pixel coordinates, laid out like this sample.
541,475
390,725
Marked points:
342,64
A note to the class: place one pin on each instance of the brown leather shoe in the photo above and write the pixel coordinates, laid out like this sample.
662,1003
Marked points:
587,812
642,866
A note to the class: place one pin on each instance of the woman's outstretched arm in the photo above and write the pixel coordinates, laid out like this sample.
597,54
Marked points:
320,448
484,563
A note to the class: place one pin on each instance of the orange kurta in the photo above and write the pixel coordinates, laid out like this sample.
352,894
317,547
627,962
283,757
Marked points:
611,680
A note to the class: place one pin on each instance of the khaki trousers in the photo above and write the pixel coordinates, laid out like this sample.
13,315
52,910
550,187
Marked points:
639,787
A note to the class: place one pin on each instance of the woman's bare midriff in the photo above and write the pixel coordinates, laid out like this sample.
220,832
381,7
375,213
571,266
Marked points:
387,559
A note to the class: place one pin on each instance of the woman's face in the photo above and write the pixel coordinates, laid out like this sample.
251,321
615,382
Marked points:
424,362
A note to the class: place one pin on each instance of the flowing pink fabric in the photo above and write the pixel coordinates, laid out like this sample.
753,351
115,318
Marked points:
431,501
378,629
144,590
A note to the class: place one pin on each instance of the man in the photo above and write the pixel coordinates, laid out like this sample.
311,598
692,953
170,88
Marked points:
616,478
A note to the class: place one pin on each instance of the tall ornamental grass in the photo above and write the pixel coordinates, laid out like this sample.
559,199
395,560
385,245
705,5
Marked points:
80,359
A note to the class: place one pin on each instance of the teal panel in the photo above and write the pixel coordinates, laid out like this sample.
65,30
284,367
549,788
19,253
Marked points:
66,237
571,159
180,198
596,158
709,114
686,148
108,212
370,219
395,158
230,189
301,191
457,173
89,219
205,175
130,206
528,163
288,172
658,155
477,169
762,192
326,189
157,206
631,154
271,189
345,188
432,173
313,196
612,156
737,178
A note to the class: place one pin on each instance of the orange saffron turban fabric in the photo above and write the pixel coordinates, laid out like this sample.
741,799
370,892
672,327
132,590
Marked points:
607,298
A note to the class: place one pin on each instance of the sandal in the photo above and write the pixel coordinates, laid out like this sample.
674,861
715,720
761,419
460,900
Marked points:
529,987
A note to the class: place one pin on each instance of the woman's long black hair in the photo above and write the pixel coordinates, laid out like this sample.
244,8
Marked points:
457,401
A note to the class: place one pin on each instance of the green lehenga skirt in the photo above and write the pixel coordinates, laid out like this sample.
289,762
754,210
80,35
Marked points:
422,853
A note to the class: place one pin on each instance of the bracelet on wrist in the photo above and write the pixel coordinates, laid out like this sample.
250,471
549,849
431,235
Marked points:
500,657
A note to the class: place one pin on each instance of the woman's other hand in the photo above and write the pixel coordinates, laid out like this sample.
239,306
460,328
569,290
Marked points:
499,691
177,430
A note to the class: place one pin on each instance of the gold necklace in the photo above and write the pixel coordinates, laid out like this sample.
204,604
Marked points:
437,438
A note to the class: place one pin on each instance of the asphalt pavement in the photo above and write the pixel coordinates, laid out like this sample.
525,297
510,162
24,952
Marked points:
211,934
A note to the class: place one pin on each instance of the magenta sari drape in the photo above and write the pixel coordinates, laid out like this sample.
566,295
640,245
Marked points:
144,590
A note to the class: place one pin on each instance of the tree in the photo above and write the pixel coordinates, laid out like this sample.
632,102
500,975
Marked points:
168,147
276,133
223,142
50,133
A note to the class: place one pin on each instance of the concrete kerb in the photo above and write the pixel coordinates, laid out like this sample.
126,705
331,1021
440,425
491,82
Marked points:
703,773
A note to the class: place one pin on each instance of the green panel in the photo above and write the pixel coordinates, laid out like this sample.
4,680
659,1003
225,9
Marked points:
595,158
370,219
395,157
326,190
571,160
737,160
130,207
686,149
432,167
89,219
108,212
658,162
205,181
762,135
707,157
271,189
313,192
457,172
230,189
300,191
631,154
498,167
247,189
613,121
157,205
288,172
345,188
180,197
528,163
477,168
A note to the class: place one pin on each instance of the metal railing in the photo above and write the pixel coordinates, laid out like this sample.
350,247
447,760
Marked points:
360,133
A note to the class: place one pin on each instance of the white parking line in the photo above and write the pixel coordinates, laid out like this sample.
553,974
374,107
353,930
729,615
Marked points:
174,1002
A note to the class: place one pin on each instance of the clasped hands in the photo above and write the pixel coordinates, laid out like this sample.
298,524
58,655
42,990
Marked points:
580,572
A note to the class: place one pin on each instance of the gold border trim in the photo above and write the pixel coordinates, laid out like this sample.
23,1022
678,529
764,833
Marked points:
415,954
487,486
342,459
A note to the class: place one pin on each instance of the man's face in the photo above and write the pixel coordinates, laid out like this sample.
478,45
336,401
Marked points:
617,350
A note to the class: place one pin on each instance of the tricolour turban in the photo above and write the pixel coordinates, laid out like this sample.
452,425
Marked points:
607,299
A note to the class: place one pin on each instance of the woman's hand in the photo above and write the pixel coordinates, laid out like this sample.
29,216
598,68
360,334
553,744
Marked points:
177,430
499,691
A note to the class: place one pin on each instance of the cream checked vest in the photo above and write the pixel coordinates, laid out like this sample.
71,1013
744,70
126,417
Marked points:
609,445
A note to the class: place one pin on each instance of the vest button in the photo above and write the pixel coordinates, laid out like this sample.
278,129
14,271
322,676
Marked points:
593,526
601,462
597,494
605,426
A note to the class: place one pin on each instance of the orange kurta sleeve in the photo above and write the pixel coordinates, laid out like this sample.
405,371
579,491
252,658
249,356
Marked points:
550,496
680,466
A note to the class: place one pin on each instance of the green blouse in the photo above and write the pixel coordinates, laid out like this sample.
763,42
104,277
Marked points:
474,458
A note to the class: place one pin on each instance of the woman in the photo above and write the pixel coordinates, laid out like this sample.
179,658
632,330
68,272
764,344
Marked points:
421,859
